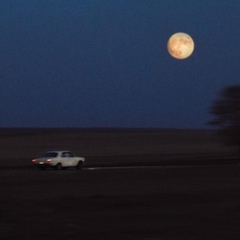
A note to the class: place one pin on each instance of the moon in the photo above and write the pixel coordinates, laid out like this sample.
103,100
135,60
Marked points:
180,45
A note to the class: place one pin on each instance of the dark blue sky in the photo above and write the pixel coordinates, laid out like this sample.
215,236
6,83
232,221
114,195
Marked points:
104,63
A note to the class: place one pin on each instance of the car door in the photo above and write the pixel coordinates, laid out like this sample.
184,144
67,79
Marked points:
68,159
64,159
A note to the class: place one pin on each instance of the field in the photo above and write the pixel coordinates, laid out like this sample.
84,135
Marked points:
101,146
172,198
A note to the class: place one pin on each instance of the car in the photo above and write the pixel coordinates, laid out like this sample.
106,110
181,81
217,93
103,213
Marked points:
59,160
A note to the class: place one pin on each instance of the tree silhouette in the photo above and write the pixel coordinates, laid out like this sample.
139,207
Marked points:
226,109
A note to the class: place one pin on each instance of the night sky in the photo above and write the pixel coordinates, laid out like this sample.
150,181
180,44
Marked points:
104,63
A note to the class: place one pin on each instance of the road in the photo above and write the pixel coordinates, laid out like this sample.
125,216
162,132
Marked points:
170,203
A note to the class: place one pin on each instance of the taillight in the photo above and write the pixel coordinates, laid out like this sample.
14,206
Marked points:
34,160
49,160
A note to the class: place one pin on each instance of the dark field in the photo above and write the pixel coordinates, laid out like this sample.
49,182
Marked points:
113,146
187,201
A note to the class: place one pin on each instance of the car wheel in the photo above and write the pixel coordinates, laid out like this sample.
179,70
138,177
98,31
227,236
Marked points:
58,166
79,165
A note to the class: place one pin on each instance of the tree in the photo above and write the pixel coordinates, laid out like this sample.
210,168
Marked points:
226,109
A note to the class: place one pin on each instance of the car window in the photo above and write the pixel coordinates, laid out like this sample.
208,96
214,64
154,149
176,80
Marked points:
64,154
69,154
50,154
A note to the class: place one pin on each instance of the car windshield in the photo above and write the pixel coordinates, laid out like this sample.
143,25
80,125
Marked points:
50,154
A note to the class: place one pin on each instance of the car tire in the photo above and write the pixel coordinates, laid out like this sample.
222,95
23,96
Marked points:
79,165
58,166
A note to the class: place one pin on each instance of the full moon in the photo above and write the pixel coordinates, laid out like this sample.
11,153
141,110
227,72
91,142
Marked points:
180,45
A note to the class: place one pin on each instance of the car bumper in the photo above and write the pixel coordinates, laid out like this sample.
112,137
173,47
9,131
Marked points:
43,164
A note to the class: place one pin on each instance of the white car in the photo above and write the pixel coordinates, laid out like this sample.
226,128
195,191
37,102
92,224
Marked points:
59,160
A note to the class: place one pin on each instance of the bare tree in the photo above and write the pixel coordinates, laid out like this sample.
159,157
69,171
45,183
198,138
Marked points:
226,109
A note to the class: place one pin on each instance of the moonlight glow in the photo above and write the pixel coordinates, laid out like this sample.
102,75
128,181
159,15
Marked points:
180,45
